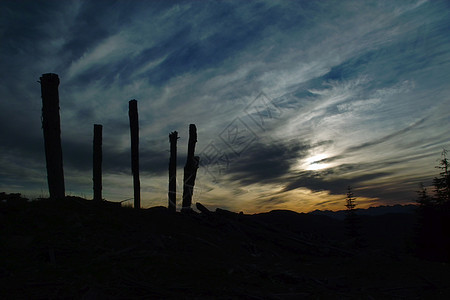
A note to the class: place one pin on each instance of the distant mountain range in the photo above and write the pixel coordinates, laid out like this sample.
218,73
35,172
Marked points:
371,211
383,227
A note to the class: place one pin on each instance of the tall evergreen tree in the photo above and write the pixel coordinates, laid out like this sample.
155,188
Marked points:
352,221
423,199
442,183
350,201
433,232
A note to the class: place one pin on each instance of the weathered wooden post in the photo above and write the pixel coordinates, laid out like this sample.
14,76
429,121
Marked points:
52,135
97,162
173,137
134,132
190,170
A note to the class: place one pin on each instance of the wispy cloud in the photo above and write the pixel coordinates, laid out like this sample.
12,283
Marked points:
359,89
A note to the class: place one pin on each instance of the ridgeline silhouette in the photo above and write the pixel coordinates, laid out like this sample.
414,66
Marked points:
80,248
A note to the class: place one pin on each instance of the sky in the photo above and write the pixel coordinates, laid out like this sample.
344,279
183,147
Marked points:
294,101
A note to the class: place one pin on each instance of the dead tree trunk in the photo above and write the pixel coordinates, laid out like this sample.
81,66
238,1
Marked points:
190,170
134,132
52,135
97,162
173,137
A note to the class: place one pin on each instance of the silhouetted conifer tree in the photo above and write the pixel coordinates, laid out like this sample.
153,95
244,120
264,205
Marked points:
433,230
350,201
442,183
352,221
423,198
425,235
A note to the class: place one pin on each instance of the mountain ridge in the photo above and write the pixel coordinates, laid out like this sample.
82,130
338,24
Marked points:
371,211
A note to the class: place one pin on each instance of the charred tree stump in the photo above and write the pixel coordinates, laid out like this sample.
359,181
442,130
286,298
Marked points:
97,162
190,174
52,135
134,132
173,137
190,170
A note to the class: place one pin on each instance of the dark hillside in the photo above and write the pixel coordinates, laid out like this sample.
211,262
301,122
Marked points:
390,232
307,225
77,249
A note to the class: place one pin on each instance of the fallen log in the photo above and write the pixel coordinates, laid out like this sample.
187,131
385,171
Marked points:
202,208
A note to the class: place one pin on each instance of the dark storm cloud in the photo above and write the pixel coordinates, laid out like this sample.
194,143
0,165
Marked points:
266,163
319,181
272,201
22,142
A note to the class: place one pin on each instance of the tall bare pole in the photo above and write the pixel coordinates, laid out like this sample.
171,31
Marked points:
97,162
134,132
190,170
173,137
52,135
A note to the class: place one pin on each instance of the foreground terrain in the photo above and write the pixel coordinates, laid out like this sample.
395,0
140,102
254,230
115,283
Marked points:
73,248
